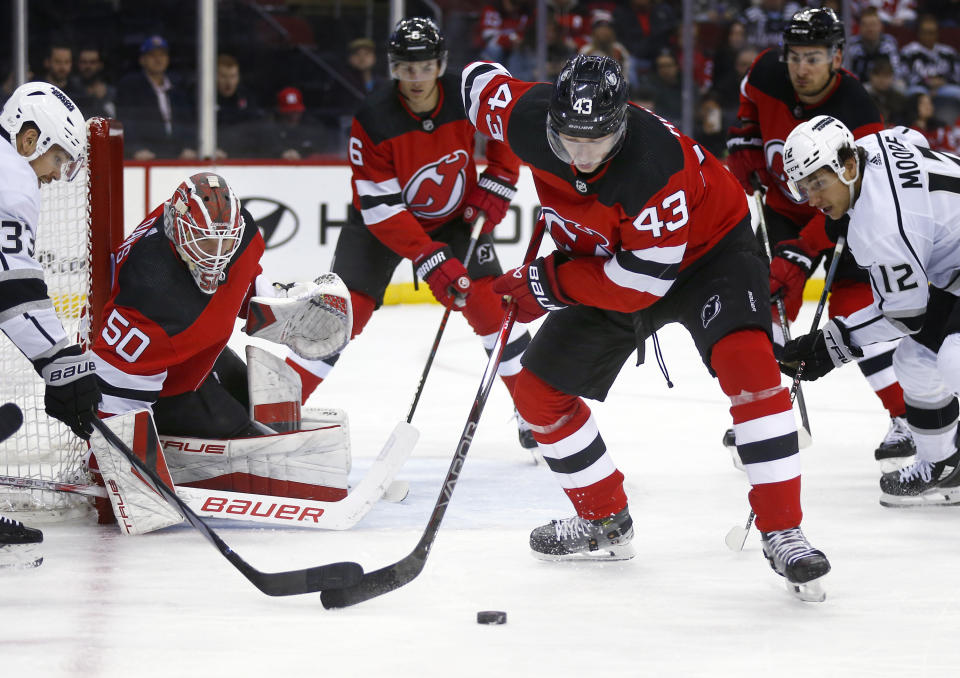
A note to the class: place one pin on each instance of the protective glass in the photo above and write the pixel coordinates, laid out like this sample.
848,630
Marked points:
415,71
582,151
818,182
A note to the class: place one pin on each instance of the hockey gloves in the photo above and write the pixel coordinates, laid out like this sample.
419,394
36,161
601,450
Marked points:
492,196
792,262
534,288
445,274
820,351
745,156
72,394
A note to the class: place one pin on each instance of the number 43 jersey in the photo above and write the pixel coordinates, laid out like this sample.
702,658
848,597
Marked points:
159,334
661,203
905,230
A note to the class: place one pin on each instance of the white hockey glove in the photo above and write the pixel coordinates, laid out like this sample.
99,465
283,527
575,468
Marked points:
314,319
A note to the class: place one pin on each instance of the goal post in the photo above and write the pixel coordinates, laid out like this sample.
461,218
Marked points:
81,224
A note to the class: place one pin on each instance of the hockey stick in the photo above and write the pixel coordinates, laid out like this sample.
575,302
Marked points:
11,419
733,538
392,577
474,235
804,437
293,582
272,509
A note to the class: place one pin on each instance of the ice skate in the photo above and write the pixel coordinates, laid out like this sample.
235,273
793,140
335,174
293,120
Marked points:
579,539
792,557
19,544
923,483
896,447
730,442
527,441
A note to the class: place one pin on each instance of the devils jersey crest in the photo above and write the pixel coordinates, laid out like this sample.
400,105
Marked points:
437,189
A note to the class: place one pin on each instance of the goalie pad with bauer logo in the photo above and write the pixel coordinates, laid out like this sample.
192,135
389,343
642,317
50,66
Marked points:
314,319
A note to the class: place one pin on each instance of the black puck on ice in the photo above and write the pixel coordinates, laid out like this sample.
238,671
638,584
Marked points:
491,617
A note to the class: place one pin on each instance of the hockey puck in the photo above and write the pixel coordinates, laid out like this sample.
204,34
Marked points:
491,617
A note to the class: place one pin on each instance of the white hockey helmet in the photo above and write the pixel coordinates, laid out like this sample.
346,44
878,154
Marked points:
813,144
202,219
60,122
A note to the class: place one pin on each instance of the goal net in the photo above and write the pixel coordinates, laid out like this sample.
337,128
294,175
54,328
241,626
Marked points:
81,222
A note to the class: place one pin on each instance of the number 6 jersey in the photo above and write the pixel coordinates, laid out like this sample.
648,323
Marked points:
656,207
905,230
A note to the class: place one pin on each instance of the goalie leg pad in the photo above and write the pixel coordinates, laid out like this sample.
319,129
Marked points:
137,505
274,390
310,464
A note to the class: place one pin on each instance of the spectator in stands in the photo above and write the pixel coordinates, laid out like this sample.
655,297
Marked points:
870,43
292,136
946,11
766,21
238,116
891,12
644,27
361,64
58,65
94,95
155,111
930,66
921,115
571,26
502,31
728,87
560,47
733,42
603,42
665,84
884,91
710,129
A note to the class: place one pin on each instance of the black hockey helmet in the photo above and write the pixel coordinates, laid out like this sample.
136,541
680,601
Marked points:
417,39
589,101
814,26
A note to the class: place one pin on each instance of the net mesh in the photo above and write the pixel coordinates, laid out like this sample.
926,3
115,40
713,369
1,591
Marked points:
43,448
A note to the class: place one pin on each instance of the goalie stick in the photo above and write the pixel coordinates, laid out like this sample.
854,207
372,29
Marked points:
474,235
405,570
737,536
290,583
271,509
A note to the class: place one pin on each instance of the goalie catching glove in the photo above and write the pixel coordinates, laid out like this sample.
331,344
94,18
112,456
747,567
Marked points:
314,319
820,351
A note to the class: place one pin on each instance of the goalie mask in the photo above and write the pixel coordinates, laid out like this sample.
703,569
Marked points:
59,120
816,145
203,222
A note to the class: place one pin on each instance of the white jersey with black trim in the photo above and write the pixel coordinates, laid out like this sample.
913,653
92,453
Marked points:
905,230
27,315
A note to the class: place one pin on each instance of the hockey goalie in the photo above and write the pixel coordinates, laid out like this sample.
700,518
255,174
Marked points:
180,281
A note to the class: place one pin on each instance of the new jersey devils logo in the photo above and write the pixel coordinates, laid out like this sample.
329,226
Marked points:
435,190
573,237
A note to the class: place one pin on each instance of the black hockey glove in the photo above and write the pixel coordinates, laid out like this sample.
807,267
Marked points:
820,351
72,393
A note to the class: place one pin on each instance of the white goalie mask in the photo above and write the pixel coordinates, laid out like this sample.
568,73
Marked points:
811,146
203,222
59,120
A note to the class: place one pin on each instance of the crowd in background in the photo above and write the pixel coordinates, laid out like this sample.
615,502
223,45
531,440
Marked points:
289,75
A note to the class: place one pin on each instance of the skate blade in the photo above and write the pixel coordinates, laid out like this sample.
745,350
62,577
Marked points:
608,554
20,556
809,592
937,496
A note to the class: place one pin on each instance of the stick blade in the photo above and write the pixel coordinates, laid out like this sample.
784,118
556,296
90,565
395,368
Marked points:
310,580
376,583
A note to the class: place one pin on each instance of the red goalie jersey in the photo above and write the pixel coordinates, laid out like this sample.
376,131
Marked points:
160,334
657,206
412,172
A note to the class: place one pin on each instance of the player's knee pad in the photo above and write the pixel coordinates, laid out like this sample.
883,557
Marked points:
916,368
543,406
363,307
847,296
743,361
948,362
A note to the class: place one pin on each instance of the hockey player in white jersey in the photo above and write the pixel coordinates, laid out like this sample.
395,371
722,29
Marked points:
899,202
42,139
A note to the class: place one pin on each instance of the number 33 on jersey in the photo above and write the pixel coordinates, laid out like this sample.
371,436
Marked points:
632,224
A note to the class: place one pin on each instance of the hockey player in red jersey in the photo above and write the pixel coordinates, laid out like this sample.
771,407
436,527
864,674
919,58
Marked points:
782,89
650,229
415,187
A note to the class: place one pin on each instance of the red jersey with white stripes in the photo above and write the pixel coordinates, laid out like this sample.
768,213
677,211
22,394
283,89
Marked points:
411,172
661,203
160,335
767,97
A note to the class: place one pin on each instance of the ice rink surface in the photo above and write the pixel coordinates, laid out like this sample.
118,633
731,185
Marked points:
168,605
